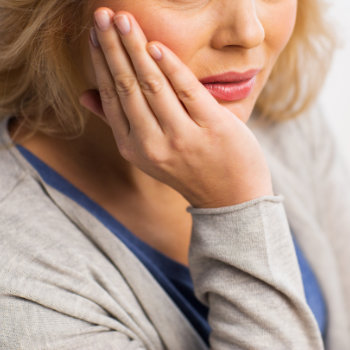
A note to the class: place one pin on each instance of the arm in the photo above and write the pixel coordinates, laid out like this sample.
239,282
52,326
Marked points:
57,290
27,325
245,269
52,297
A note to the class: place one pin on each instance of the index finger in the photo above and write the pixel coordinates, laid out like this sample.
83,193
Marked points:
197,100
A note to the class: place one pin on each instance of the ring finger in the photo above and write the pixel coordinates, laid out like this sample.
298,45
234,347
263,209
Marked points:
142,77
123,79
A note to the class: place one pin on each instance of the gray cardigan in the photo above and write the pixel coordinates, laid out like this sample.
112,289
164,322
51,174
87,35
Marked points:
66,282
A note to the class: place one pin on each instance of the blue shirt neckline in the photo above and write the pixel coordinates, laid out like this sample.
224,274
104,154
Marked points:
173,276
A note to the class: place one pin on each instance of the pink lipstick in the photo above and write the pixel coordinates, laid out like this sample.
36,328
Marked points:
231,86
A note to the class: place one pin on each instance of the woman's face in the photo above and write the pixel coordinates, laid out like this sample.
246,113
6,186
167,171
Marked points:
215,36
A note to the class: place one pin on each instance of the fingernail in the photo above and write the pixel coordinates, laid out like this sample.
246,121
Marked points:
93,38
123,24
102,19
155,52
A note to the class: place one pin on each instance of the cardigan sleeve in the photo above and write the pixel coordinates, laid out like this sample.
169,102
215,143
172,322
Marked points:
244,268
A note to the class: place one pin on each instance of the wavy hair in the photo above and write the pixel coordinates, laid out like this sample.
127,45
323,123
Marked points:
39,83
302,67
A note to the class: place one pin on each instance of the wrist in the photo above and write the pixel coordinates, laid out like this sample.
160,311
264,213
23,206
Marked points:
233,198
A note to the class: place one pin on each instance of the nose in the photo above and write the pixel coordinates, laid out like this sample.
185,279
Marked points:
238,25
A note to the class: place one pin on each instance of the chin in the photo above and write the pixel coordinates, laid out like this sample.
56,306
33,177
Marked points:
240,109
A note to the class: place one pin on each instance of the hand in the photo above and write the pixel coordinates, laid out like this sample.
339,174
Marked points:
167,123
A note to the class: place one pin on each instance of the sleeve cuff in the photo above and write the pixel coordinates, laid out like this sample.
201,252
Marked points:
236,207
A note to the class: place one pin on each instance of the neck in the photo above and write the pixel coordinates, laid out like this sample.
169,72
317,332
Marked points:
91,162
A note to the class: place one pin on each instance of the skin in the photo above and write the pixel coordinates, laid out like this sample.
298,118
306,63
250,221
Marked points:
154,151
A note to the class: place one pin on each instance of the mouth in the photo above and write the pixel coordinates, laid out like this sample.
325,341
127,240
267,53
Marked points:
231,86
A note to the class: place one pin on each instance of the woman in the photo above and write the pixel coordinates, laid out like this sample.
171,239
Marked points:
147,151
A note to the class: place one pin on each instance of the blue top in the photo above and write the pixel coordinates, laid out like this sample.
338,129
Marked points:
174,277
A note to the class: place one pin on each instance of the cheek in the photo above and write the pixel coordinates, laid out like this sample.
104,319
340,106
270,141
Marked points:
279,22
173,34
158,23
155,27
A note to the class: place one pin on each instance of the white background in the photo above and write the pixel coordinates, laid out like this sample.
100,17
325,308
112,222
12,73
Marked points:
335,96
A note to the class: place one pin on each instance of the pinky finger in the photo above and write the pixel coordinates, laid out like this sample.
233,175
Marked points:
109,99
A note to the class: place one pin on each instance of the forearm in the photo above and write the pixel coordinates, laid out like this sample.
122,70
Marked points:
244,267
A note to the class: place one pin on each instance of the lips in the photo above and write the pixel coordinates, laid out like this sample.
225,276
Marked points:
231,86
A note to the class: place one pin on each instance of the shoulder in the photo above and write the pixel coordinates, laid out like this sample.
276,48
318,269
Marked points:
57,287
27,212
37,238
28,216
40,246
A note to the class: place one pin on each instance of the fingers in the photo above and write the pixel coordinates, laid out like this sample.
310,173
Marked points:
109,98
124,81
160,94
199,103
152,82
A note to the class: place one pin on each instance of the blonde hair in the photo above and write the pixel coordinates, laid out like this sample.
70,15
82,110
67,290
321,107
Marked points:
39,83
302,67
38,79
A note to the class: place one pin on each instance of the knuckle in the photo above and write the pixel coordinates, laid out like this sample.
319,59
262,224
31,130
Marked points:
153,155
107,93
125,151
174,71
187,93
178,144
109,47
151,84
125,85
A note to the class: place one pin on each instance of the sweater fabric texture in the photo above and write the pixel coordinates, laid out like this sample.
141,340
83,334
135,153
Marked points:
68,282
